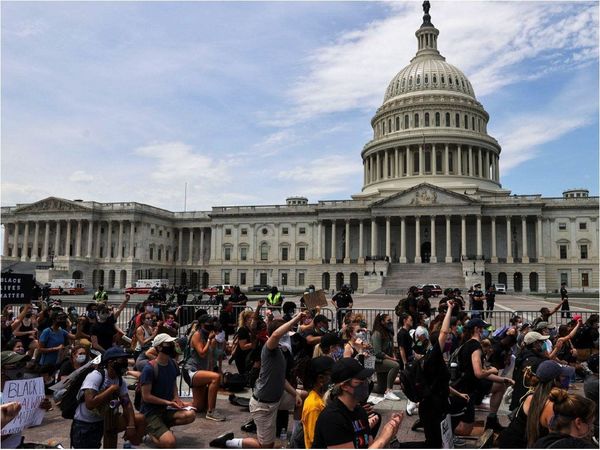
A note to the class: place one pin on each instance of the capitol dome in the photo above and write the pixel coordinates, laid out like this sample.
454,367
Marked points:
430,129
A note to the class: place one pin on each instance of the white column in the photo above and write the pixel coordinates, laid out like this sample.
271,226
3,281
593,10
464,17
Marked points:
90,242
539,251
486,171
98,239
402,239
364,171
388,237
479,243
396,163
421,165
509,257
409,162
25,242
433,160
446,160
333,243
524,233
463,236
494,251
418,238
15,240
448,240
108,240
5,243
34,250
459,160
322,245
46,239
347,243
78,239
191,247
373,237
319,245
480,163
433,256
471,165
131,239
201,253
213,238
180,245
57,239
386,164
361,231
377,171
401,164
68,243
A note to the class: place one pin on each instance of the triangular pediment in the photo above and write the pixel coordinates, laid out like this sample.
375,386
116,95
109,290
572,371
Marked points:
52,204
424,194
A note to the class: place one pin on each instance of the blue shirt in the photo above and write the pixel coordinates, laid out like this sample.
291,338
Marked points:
51,338
164,389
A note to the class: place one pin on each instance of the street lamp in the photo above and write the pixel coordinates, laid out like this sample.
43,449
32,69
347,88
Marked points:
373,273
474,271
52,260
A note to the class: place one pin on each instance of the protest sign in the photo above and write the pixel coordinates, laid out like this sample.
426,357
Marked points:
29,393
314,299
16,288
447,434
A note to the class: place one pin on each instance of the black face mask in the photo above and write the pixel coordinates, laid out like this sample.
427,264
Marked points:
62,323
169,351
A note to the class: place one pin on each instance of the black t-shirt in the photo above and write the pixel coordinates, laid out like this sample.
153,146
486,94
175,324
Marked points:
490,296
405,341
104,332
66,368
342,299
337,425
477,297
469,381
436,373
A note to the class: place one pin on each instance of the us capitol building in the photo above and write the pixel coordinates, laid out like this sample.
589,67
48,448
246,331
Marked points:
432,209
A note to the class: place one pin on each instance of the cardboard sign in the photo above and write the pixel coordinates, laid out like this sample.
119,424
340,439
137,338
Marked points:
447,434
314,299
16,288
29,393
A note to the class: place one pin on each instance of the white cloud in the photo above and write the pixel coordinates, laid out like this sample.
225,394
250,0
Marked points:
275,143
322,176
81,176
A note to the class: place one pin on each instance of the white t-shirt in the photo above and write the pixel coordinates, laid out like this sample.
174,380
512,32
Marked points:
10,440
92,381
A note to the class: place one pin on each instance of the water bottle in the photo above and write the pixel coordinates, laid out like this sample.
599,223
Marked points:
283,438
453,371
127,444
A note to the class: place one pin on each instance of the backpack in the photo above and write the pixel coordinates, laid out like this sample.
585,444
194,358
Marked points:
454,367
233,382
401,307
137,399
131,326
69,402
412,379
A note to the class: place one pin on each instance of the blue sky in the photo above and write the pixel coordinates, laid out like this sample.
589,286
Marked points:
252,102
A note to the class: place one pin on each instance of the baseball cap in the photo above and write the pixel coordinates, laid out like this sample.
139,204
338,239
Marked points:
577,317
533,336
421,331
347,368
162,338
321,364
10,357
114,353
543,324
550,370
330,339
477,322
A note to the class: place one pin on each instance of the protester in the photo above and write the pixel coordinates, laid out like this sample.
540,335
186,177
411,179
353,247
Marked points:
79,355
342,302
318,329
383,349
144,334
317,382
532,355
53,341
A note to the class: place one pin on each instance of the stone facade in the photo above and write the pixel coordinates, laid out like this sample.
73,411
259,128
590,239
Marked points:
431,195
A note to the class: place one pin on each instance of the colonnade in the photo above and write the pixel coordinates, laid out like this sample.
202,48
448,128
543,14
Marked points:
431,159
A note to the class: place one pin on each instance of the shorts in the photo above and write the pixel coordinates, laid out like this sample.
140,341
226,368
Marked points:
159,422
265,418
86,434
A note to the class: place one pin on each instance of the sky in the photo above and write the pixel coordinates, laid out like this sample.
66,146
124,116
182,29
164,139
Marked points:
252,102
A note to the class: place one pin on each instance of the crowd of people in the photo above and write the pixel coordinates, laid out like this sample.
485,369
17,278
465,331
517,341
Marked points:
445,358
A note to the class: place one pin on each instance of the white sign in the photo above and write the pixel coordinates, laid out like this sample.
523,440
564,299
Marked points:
447,434
29,393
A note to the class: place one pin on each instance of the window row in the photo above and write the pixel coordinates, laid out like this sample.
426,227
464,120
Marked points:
419,120
284,231
563,251
264,248
443,80
562,226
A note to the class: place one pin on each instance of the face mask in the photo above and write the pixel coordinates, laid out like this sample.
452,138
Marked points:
337,353
459,329
545,347
170,321
485,333
62,323
361,392
148,320
20,351
363,324
81,359
390,327
149,308
169,351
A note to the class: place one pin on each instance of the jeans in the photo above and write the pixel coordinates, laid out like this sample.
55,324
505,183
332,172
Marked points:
86,434
391,367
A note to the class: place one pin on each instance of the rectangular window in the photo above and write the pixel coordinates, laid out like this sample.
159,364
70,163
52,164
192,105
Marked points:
301,230
284,253
563,252
168,234
564,278
160,232
244,232
243,278
427,162
562,226
263,278
151,253
151,230
302,253
284,230
227,253
227,231
243,253
284,279
134,251
582,225
438,161
226,277
159,254
584,252
264,253
585,279
301,279
166,255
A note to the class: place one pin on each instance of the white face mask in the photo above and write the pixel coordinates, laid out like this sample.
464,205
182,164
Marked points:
286,342
81,359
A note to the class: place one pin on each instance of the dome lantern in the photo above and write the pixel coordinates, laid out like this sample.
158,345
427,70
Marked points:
427,37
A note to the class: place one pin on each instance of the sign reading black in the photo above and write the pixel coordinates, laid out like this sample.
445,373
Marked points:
16,288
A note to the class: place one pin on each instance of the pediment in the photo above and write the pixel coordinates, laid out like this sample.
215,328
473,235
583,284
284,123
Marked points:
52,204
424,194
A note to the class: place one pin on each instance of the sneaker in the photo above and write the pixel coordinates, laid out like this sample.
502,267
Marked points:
220,441
459,443
214,415
412,408
389,395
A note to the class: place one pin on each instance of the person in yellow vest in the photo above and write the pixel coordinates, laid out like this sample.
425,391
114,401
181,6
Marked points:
275,299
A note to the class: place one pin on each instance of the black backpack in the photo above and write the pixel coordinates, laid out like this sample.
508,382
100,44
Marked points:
413,381
234,382
69,402
401,307
454,367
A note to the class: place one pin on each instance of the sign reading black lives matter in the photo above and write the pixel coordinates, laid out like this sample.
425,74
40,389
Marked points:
16,288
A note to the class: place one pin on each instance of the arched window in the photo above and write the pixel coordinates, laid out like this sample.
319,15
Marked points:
403,82
450,80
434,78
473,123
383,127
443,81
389,125
426,78
426,119
418,80
457,120
410,81
406,121
456,81
416,120
479,125
397,123
447,119
264,251
466,122
437,119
